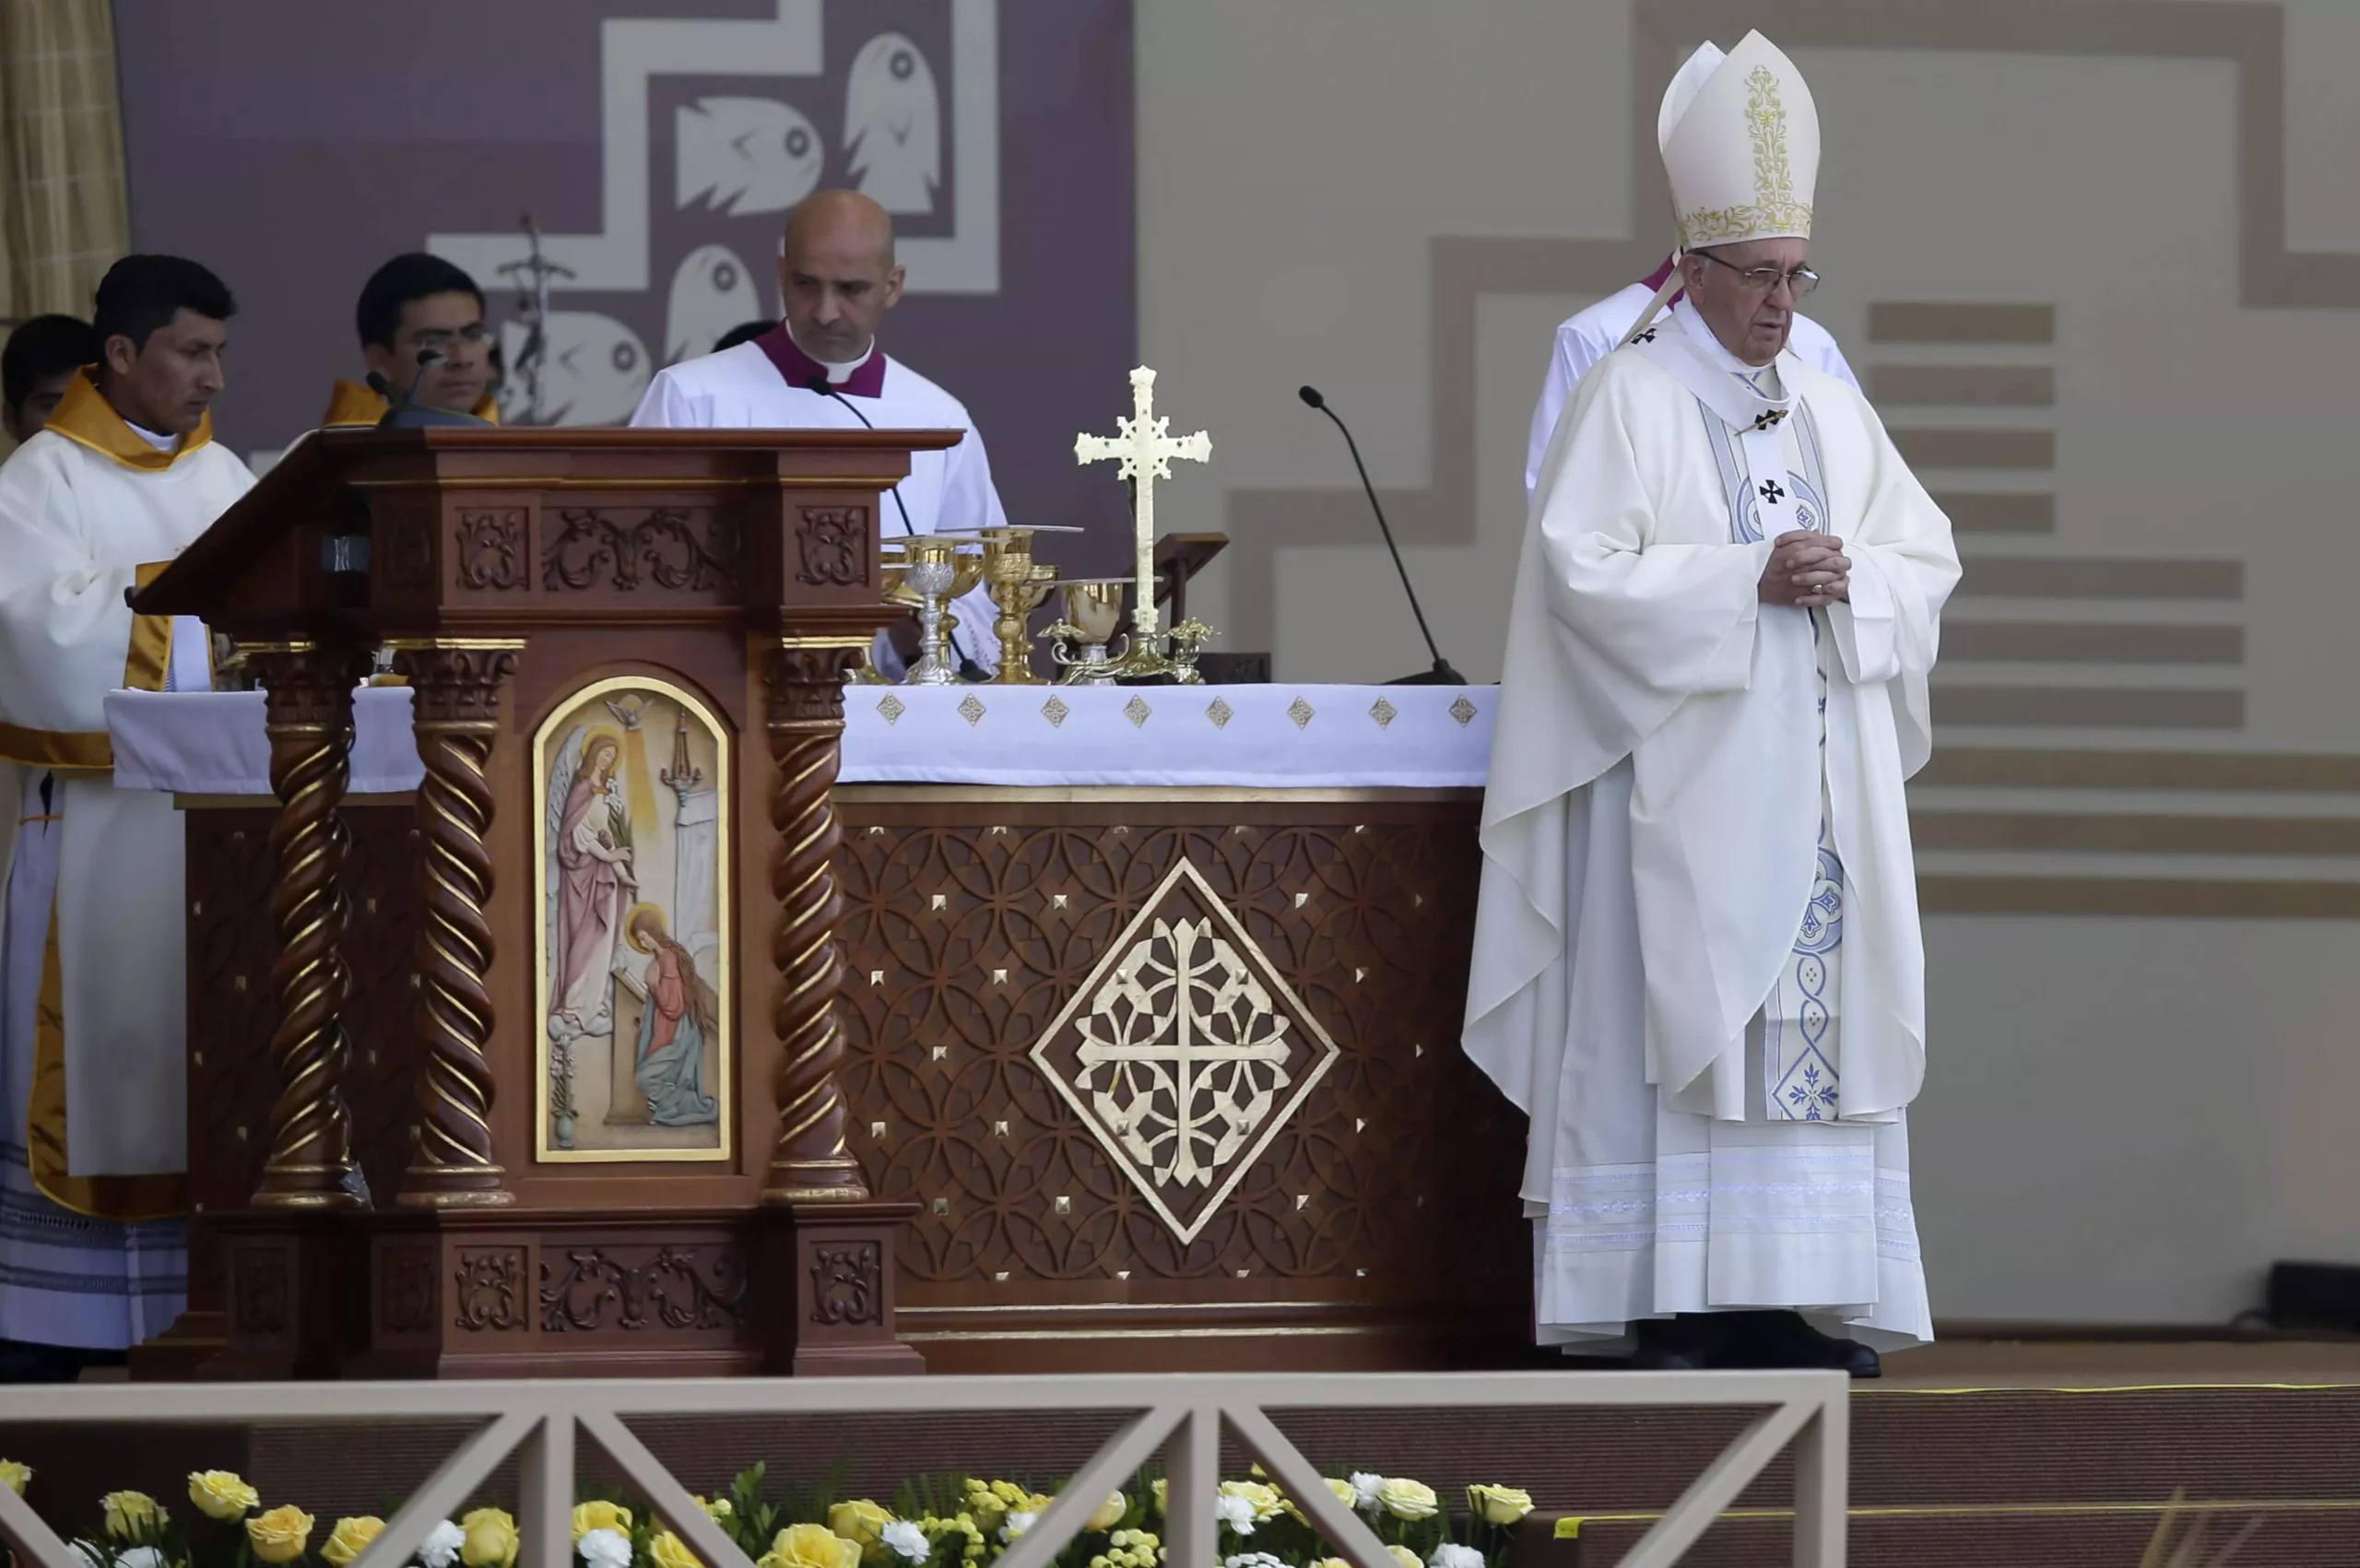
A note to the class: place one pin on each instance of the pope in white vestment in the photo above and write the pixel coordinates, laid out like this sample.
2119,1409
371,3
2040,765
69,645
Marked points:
92,995
1698,967
838,278
1592,333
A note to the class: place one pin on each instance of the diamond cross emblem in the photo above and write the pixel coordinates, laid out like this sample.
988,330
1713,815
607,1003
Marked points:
892,707
1185,1052
1055,711
1301,711
1136,711
1463,711
1384,713
970,708
1221,713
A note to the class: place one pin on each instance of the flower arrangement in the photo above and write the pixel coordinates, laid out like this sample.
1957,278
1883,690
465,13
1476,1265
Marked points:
937,1522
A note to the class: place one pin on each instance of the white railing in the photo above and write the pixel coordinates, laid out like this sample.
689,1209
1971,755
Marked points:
1180,1417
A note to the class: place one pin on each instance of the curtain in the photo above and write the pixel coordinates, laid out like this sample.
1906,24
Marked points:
65,214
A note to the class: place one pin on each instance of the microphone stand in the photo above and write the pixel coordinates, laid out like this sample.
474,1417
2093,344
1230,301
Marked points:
969,670
1442,674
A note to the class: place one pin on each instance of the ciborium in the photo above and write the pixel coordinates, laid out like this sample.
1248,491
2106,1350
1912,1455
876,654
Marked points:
1093,617
938,571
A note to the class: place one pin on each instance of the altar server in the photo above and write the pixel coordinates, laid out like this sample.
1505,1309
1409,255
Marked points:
1588,336
92,1004
1697,963
419,304
838,277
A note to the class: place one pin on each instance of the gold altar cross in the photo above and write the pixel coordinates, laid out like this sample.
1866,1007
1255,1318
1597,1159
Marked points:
1146,451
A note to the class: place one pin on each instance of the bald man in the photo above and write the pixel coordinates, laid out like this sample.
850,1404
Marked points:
837,274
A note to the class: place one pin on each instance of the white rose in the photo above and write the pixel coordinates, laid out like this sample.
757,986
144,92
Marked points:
440,1547
604,1548
1018,1523
1236,1512
1251,1560
907,1539
140,1557
1364,1487
1450,1554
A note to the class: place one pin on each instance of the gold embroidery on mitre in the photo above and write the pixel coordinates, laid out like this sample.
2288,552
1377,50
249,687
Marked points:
1775,209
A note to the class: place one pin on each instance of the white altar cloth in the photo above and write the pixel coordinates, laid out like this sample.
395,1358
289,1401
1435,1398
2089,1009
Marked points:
1235,736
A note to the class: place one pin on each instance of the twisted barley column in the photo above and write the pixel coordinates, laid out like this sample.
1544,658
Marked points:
455,694
309,708
806,724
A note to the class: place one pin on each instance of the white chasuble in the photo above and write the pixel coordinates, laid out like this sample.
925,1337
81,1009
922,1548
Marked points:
1697,960
767,385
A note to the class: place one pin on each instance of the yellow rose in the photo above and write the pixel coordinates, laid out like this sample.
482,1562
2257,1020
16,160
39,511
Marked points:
718,1508
1498,1505
1110,1513
811,1546
350,1538
1331,1561
130,1515
1405,1557
15,1476
1266,1500
859,1520
670,1552
1407,1499
281,1534
489,1539
1346,1492
588,1516
222,1495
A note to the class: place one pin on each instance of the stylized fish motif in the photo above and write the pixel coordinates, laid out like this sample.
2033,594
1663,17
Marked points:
745,155
712,292
893,124
593,373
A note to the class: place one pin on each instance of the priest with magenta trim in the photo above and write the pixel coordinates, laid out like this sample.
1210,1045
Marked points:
1698,967
838,278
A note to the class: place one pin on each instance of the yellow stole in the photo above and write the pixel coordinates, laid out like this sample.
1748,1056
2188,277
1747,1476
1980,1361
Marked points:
351,404
87,418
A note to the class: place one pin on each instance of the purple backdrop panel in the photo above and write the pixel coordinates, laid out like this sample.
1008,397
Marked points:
658,144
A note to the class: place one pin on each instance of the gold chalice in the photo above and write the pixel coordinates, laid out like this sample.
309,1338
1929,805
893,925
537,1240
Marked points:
1018,584
1093,617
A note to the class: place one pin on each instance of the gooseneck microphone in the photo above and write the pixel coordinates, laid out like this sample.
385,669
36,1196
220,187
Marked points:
968,668
406,412
1442,674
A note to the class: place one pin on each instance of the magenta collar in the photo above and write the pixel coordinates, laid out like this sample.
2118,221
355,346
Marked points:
868,379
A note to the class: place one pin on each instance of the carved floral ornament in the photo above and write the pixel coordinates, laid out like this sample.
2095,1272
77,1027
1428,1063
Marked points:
1185,1052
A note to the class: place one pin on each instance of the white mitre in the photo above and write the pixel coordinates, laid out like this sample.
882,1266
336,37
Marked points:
1742,151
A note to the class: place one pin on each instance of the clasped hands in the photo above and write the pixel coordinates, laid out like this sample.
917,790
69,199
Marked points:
1807,570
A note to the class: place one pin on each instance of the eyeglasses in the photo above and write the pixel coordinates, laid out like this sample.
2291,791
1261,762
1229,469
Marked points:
1765,279
438,337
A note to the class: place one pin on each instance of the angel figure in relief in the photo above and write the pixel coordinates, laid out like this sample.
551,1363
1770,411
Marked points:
590,882
669,1065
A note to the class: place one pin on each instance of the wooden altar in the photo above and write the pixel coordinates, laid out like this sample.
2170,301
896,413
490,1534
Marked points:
950,1007
1379,1228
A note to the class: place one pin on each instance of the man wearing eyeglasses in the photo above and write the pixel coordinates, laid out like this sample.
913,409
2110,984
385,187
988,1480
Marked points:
1698,967
419,306
1589,335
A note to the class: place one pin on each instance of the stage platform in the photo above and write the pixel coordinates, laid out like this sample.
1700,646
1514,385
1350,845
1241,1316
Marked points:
1976,1451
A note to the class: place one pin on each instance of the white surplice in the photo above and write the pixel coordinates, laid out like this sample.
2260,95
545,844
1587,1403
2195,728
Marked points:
947,490
1697,960
80,514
